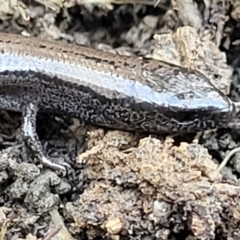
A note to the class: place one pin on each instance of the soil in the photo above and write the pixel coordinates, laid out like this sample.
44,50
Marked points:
126,185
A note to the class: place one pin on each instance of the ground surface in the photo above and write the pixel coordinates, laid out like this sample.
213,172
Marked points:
123,185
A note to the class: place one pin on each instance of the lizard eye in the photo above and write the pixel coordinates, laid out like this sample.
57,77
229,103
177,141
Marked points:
185,95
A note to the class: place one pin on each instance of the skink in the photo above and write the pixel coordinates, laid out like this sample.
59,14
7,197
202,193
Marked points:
104,89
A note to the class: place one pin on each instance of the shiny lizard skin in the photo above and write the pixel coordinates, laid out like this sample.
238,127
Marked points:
104,89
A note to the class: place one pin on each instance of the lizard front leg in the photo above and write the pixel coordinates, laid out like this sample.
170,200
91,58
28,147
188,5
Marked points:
28,131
